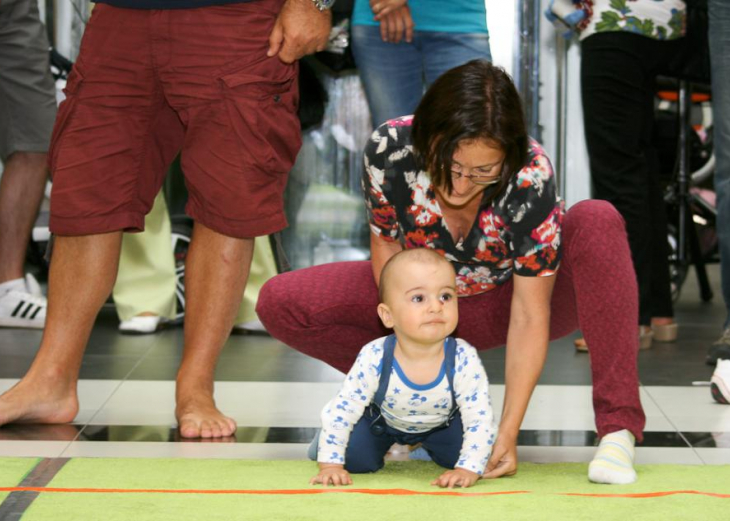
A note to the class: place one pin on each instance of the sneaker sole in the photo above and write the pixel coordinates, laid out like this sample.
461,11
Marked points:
719,392
19,323
135,332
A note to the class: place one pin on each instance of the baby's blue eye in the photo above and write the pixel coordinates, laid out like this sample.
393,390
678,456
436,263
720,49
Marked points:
417,298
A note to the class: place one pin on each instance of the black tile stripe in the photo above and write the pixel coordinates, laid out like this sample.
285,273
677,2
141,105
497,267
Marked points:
17,308
27,309
166,433
16,503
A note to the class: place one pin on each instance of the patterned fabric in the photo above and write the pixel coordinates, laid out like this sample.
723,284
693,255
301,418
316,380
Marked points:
413,408
517,232
658,19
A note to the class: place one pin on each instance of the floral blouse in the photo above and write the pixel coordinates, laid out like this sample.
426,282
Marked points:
658,19
516,232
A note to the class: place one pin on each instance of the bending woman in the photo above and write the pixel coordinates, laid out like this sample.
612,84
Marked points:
462,177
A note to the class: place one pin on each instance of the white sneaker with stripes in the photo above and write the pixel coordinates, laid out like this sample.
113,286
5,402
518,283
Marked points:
721,382
23,304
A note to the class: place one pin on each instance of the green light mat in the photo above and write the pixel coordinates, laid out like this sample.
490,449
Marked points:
13,470
187,486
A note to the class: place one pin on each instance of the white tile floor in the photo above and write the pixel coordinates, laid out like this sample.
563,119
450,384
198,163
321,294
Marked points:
297,405
127,397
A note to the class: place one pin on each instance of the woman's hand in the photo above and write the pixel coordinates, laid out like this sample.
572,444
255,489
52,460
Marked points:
503,461
456,478
383,7
336,475
396,24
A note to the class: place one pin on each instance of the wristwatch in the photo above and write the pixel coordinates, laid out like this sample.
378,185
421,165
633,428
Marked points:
323,4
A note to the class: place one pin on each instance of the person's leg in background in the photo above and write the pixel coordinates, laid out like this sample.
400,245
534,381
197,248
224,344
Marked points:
144,293
263,267
616,79
27,111
443,51
391,73
719,18
92,173
661,306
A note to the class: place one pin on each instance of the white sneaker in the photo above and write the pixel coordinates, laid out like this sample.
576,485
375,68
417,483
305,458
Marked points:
142,325
720,383
23,305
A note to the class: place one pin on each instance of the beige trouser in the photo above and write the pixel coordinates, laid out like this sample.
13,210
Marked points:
146,278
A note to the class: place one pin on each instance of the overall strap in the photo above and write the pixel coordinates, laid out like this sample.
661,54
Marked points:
450,366
386,369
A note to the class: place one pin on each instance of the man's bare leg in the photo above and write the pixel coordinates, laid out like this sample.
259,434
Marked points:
216,270
21,191
82,274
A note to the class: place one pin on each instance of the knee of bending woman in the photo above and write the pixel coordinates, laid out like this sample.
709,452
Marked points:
596,216
269,304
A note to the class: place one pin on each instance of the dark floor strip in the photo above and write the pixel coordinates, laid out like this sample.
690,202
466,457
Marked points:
15,505
166,433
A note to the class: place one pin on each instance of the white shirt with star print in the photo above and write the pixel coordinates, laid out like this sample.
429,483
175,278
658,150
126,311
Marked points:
413,408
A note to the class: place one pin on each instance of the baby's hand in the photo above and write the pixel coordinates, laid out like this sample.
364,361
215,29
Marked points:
456,478
331,474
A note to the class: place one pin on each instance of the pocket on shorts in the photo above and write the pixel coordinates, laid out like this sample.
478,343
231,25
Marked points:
263,115
65,112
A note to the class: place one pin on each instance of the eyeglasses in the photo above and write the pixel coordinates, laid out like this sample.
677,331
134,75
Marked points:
481,178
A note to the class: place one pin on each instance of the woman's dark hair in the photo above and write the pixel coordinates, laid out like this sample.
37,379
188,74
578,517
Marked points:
475,101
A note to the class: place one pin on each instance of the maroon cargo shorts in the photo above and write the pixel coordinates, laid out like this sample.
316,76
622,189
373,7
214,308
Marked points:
151,83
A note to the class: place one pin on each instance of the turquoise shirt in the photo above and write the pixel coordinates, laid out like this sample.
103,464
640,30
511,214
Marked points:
450,16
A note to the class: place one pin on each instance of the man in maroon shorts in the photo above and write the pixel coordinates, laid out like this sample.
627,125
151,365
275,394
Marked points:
216,80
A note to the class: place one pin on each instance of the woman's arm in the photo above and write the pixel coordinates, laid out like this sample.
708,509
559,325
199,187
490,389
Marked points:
527,343
380,251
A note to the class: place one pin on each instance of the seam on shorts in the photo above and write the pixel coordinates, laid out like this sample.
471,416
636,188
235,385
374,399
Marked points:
146,141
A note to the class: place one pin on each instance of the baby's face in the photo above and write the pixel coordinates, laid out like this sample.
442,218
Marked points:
422,301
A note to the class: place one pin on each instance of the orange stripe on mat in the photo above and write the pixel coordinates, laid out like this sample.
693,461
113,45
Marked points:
374,492
292,492
653,494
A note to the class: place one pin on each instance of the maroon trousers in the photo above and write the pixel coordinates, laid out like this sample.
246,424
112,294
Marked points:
329,311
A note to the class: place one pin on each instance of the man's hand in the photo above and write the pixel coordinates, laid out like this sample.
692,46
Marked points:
456,478
336,475
396,24
503,461
382,7
300,29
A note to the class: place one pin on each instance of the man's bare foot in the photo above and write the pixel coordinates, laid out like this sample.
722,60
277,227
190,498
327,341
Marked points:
41,432
33,402
198,417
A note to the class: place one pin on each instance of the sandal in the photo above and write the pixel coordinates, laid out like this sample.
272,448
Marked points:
646,335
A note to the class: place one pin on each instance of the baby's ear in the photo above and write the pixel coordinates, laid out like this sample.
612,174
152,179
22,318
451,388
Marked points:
385,316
